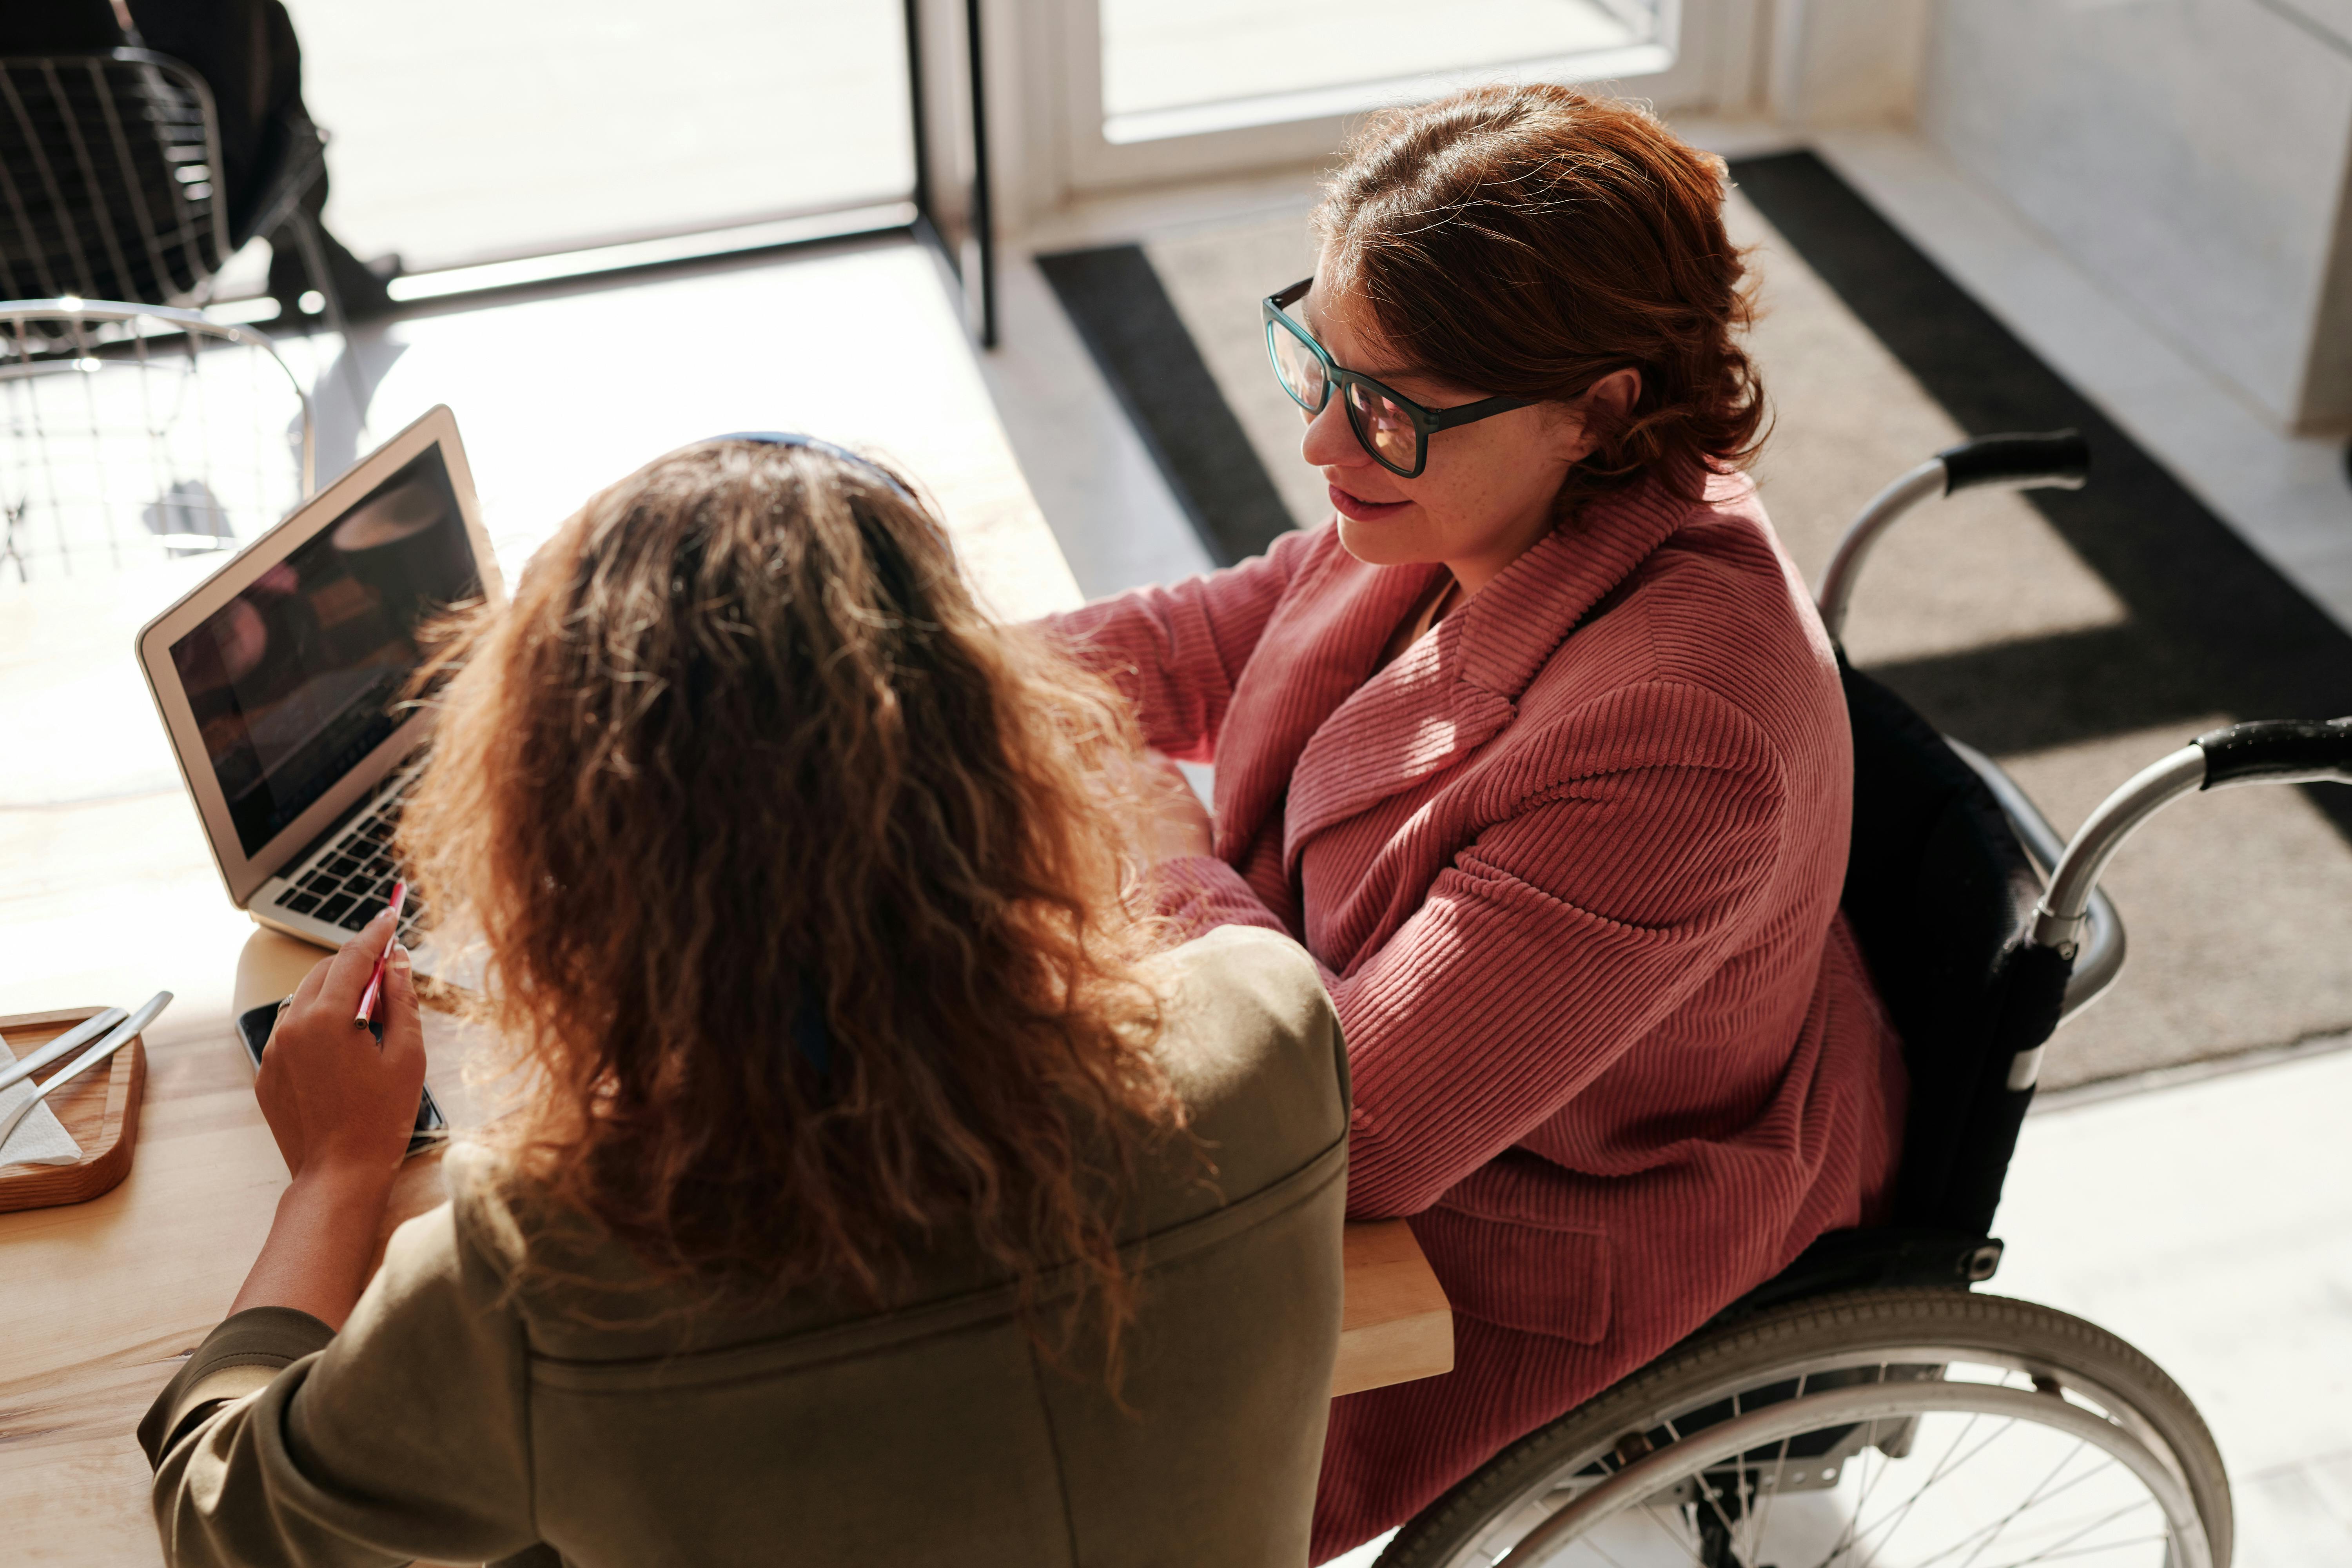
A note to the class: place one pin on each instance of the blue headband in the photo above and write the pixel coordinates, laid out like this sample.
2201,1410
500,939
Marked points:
795,438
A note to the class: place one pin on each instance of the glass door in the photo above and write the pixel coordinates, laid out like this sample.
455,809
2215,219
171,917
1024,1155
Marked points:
473,130
489,142
1162,91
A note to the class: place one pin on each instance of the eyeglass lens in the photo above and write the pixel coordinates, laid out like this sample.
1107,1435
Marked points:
1386,431
1301,372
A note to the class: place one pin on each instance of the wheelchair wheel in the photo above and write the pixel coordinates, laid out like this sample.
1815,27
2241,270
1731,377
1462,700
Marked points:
1891,1428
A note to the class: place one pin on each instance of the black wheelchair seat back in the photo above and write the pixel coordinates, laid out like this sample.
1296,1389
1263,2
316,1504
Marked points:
1939,894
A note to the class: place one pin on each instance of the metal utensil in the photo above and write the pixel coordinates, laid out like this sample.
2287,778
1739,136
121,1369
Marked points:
64,1045
122,1035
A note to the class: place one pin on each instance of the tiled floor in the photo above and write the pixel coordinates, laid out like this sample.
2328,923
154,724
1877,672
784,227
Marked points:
2210,1225
2287,495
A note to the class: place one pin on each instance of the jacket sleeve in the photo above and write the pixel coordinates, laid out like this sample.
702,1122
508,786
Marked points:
401,1438
1177,651
1558,938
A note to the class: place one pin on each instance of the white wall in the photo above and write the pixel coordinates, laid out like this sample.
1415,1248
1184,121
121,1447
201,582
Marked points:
1841,62
2191,154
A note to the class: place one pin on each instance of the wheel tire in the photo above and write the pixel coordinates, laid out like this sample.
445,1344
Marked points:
1849,1327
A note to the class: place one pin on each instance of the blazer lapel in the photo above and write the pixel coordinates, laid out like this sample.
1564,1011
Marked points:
1449,694
1316,650
1405,723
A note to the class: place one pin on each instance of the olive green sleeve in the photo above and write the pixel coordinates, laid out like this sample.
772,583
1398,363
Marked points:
404,1436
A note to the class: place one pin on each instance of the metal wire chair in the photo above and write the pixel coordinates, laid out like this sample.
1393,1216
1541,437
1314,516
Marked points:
134,431
109,170
110,182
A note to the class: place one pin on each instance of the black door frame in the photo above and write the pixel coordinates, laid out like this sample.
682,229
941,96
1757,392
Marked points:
954,215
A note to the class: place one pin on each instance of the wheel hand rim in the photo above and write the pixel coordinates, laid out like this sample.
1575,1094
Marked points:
1854,1407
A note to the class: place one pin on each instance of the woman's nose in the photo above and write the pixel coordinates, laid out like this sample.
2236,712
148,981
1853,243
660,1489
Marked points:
1330,442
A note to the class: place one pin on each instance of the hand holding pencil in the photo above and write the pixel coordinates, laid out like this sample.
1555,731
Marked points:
392,907
340,1106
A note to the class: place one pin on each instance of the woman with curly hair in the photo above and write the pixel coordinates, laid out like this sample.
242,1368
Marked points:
1538,747
877,1186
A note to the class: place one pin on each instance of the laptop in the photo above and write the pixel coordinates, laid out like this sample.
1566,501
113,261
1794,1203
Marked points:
279,681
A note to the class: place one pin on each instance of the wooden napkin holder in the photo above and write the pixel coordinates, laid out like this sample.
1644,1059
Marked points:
99,1109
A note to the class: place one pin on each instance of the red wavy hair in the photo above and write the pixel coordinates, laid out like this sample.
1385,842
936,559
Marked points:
1528,240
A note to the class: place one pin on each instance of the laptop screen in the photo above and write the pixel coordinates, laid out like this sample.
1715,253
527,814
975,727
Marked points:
294,681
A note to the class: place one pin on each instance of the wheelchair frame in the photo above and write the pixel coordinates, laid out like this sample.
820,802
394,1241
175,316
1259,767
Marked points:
1848,1348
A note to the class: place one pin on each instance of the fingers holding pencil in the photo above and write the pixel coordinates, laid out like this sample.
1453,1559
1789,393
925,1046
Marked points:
374,992
329,1105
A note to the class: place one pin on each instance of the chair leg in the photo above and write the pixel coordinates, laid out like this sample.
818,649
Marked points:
9,553
305,229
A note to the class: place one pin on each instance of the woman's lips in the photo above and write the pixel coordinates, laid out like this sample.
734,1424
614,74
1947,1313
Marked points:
1362,510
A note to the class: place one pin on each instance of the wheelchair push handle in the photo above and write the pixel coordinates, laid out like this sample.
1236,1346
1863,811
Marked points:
2278,750
2270,750
2054,458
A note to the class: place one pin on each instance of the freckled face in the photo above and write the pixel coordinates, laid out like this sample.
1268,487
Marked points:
1486,494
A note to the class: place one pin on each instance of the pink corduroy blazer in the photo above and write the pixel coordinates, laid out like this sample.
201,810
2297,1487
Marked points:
1571,867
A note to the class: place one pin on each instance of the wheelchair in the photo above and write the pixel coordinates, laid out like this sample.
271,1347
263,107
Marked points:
1867,1406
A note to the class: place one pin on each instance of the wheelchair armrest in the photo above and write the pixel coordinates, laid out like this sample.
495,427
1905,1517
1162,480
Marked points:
2101,957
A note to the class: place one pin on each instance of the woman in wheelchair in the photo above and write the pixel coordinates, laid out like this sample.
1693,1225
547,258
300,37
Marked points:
1539,747
876,1189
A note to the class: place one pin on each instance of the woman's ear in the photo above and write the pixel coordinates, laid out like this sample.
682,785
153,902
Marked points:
1605,403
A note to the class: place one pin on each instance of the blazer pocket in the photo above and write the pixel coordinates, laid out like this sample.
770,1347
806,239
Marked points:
1534,1277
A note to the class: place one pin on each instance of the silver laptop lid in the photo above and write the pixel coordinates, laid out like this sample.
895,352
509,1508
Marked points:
278,679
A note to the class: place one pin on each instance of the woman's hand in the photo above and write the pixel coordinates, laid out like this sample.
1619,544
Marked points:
336,1102
1175,823
341,1109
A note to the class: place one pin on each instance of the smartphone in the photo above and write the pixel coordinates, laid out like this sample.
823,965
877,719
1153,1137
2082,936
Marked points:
253,1027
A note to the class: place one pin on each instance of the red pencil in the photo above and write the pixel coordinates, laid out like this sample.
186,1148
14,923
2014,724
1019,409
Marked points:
375,980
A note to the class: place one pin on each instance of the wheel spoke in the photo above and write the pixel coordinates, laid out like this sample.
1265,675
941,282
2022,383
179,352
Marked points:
2002,1523
1870,1480
1848,1539
1946,1466
2164,1540
1606,1554
1689,1550
1730,1531
2055,1549
1998,1525
1945,1475
1780,1476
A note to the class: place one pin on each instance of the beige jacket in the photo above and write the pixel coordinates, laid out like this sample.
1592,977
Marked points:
460,1417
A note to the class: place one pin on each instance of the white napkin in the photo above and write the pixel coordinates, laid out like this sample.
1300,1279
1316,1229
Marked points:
40,1139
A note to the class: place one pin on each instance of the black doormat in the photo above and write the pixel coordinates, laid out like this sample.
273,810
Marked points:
2211,627
1131,326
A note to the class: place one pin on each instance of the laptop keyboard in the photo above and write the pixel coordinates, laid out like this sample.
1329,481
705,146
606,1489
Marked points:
349,880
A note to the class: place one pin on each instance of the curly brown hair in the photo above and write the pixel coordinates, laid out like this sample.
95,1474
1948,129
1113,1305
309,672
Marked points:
800,886
1527,241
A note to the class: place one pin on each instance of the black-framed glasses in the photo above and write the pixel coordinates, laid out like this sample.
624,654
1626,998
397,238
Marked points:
1389,425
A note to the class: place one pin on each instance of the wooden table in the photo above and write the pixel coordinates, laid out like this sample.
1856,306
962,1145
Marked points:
106,891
